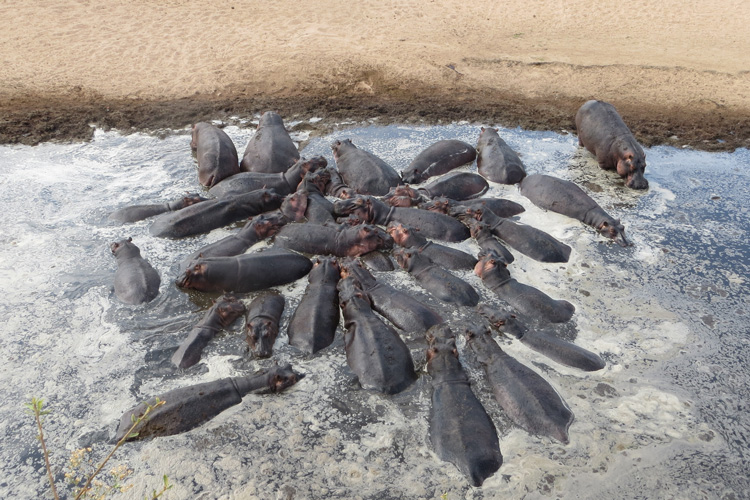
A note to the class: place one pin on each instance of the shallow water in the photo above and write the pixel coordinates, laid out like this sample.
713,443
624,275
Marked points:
667,417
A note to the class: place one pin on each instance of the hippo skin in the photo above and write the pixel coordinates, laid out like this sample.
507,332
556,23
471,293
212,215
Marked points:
136,281
451,258
222,313
217,156
461,431
347,241
499,206
374,351
270,150
361,170
135,213
436,280
566,198
439,158
602,131
487,241
282,182
262,319
456,186
314,322
496,160
529,400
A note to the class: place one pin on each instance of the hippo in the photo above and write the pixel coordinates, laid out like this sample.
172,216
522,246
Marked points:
217,156
314,322
498,206
528,240
439,158
212,214
222,313
245,273
363,171
404,311
294,206
461,431
451,258
319,210
256,229
348,241
335,186
378,261
403,196
565,197
602,131
135,213
430,224
528,400
436,280
487,241
262,323
496,161
282,182
546,343
457,186
526,299
180,410
374,351
136,282
270,150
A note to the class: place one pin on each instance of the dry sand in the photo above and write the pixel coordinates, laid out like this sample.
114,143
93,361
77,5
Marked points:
676,70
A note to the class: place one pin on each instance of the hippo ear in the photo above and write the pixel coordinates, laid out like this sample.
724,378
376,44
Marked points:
130,238
431,353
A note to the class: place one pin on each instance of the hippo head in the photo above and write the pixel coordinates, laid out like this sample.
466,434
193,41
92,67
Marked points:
399,232
269,119
404,257
192,199
350,289
367,238
124,248
261,333
294,205
440,204
228,308
314,164
283,377
319,179
631,164
475,227
327,263
504,321
353,267
402,196
195,276
442,354
339,147
614,230
266,225
491,264
359,205
351,220
477,332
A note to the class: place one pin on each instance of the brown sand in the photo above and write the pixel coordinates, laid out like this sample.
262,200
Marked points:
677,71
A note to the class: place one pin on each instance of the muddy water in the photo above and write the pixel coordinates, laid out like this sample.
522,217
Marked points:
667,417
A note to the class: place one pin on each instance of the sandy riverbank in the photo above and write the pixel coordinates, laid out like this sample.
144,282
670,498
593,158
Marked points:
678,73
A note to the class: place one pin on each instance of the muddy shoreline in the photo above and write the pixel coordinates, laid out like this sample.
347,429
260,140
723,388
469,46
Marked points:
31,118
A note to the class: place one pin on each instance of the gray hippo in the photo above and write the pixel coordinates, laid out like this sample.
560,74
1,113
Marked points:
602,132
317,239
449,257
363,171
217,156
436,280
461,431
136,281
135,213
456,186
282,182
565,197
439,158
496,160
270,150
262,323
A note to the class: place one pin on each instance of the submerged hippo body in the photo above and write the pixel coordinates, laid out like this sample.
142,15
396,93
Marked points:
565,197
224,311
246,272
374,351
449,257
461,431
456,186
487,241
136,281
282,182
262,323
542,341
270,150
430,224
314,322
499,206
401,309
135,213
529,400
438,159
436,280
217,156
361,170
496,160
188,407
212,214
526,299
602,131
326,240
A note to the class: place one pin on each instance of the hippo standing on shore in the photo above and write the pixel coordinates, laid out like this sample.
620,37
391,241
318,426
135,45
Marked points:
602,131
270,150
217,156
136,281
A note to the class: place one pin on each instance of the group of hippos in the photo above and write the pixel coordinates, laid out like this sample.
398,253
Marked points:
353,218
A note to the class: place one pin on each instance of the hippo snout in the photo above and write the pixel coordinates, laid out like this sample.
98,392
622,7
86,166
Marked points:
637,181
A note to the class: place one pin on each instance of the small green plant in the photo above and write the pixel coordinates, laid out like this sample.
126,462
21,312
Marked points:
92,488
